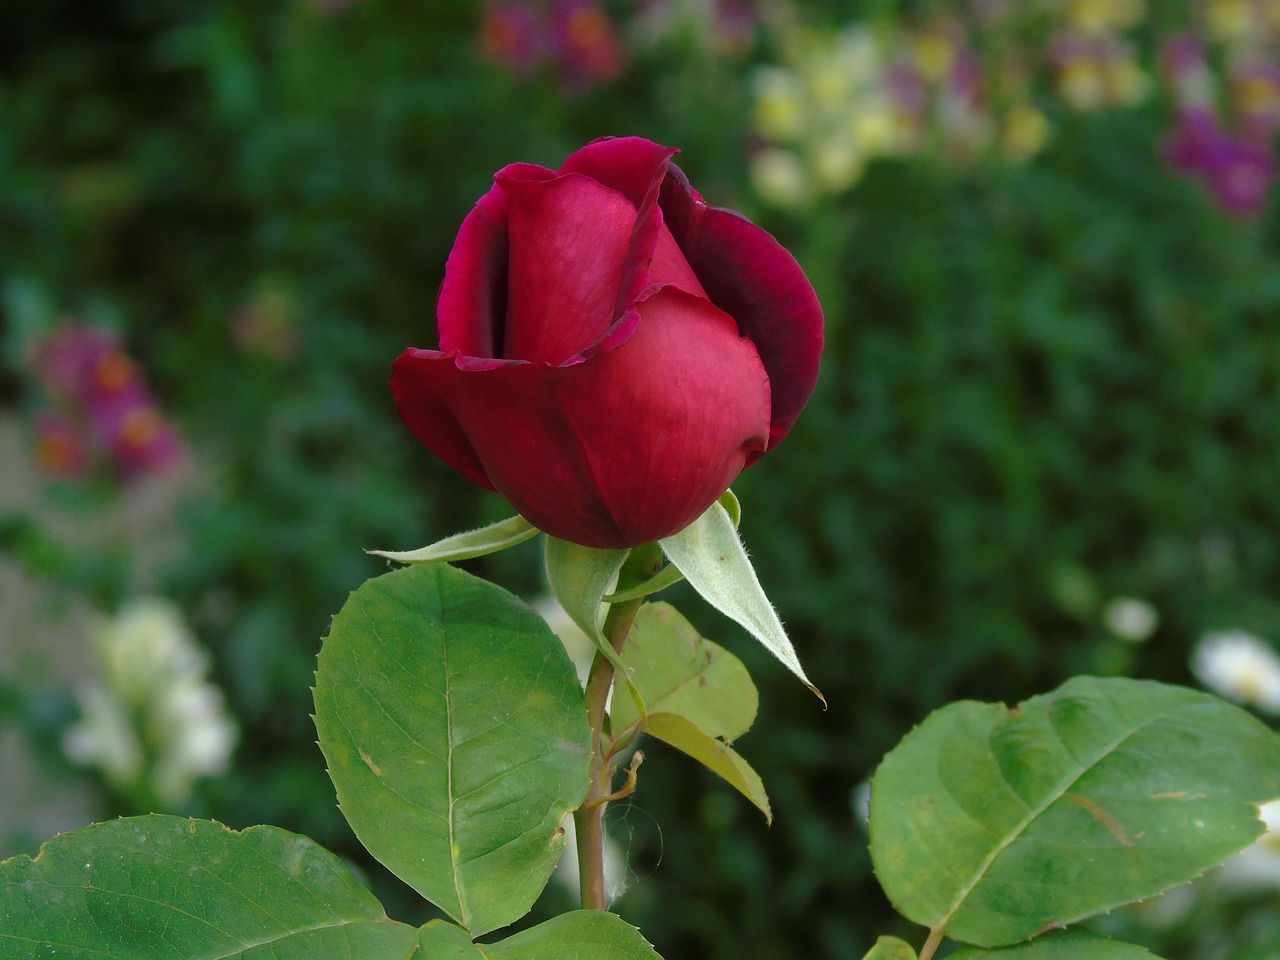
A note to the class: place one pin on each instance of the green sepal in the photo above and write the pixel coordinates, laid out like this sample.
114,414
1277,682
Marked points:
580,577
465,546
710,555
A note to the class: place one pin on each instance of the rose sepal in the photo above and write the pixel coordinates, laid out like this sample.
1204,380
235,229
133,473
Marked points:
467,545
711,556
669,574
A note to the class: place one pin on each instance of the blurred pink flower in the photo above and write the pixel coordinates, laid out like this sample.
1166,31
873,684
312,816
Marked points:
585,42
1255,94
576,38
511,35
1239,172
60,448
102,408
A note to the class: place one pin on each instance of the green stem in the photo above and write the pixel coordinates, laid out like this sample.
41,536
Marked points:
588,820
931,945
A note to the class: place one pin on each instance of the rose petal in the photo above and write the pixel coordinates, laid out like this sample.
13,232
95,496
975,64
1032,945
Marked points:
751,277
629,447
627,164
418,384
568,238
472,310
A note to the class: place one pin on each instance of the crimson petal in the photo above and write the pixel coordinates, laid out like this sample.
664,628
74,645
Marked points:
601,478
752,277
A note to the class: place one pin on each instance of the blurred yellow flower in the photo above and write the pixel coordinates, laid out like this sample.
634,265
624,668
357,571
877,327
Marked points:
934,55
1230,20
1082,83
1103,16
1025,131
1127,83
779,112
780,178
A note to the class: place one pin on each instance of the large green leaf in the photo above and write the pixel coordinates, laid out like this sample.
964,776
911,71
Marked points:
1066,945
677,671
580,935
166,887
992,824
456,735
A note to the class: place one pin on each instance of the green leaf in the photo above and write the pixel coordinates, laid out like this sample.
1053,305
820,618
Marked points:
579,935
456,735
1065,945
465,546
714,754
159,886
992,824
439,940
697,696
713,560
677,671
891,948
580,577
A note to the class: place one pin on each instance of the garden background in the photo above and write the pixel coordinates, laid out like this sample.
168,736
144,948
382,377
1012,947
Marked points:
1046,439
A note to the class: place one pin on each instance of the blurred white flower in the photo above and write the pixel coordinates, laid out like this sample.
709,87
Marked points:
104,737
154,723
1130,618
1240,666
1258,865
578,645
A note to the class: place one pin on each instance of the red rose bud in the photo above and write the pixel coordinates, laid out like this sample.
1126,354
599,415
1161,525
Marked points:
613,351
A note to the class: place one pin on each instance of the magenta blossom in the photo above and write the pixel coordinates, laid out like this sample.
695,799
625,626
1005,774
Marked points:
1239,172
104,408
613,350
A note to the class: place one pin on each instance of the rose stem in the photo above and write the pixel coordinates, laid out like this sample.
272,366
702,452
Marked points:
588,820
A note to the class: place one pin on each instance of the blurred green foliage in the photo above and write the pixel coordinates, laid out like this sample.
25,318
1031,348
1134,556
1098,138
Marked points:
1046,385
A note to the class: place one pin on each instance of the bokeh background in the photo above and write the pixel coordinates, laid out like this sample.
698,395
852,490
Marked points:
1046,439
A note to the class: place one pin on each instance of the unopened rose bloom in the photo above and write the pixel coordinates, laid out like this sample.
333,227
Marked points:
613,350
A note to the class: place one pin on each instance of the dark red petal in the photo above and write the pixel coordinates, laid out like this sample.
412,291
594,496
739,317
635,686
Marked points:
569,238
627,164
751,277
472,309
627,447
